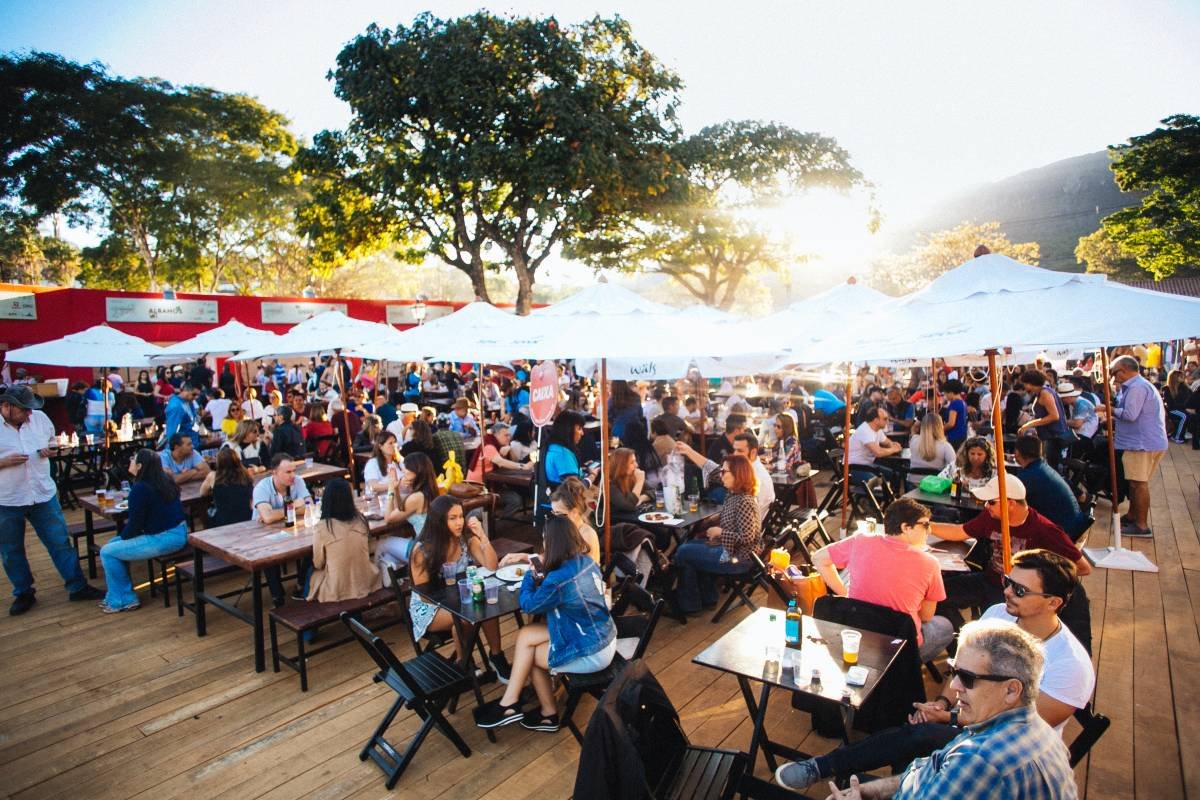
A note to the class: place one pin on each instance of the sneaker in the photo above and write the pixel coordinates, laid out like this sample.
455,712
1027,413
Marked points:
798,775
494,715
547,723
107,609
500,666
22,603
88,592
1140,533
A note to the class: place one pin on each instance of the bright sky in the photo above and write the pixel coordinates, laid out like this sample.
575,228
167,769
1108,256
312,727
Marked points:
927,97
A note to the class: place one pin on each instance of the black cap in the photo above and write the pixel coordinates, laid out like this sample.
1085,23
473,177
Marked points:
21,396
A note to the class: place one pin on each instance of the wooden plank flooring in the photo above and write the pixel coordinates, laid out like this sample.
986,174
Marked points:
136,706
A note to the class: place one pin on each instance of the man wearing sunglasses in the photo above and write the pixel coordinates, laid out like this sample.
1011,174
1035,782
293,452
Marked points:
1028,530
1039,585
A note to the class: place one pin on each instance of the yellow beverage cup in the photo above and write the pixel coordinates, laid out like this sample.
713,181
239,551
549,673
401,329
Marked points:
851,640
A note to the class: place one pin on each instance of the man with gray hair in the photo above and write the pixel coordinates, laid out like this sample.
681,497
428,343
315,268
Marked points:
1006,749
1140,438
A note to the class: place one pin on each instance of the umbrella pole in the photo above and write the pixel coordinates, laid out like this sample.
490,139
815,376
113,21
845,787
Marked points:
933,392
104,390
606,500
998,433
341,379
482,426
702,403
1112,453
846,449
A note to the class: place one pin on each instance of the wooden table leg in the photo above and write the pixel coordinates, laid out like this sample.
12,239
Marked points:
198,590
260,658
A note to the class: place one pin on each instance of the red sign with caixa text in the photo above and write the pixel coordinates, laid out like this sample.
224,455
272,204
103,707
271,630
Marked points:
543,392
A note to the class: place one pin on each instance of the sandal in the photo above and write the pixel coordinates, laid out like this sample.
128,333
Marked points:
496,715
547,723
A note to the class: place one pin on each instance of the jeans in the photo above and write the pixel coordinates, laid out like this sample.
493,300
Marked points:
894,747
47,520
699,563
115,555
936,636
1181,427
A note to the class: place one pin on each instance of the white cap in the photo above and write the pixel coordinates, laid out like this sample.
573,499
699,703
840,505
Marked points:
991,490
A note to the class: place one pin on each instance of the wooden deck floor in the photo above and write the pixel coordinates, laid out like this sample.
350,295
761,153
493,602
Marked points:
135,705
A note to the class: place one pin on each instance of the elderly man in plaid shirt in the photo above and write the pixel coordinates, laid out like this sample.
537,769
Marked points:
1005,750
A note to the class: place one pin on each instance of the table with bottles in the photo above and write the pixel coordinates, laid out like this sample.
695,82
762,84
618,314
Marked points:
254,546
812,663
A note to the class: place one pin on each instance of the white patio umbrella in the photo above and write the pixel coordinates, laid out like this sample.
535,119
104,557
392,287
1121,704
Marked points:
325,333
454,334
99,346
232,337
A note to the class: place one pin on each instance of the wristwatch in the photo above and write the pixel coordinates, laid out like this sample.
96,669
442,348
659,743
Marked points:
954,717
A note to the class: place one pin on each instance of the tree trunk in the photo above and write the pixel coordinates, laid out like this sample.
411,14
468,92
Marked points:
524,285
479,283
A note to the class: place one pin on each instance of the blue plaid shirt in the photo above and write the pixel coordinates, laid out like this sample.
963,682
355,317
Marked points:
1014,755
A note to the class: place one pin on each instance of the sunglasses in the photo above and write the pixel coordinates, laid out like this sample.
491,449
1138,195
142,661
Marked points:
1021,590
968,678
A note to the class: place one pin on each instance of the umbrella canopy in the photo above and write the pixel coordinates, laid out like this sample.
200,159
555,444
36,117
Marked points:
232,337
459,333
99,346
602,298
326,332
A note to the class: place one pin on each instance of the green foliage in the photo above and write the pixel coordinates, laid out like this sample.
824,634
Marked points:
1163,233
1103,255
114,263
940,252
700,229
28,257
191,177
486,141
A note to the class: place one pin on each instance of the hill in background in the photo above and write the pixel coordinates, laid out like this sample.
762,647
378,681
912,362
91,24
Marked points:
1052,205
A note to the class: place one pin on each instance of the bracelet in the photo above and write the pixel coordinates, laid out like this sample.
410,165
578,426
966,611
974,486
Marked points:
954,718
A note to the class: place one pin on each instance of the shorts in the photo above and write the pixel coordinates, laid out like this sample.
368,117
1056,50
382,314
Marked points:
588,664
1140,464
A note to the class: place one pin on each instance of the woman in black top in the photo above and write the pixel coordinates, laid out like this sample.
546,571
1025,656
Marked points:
421,440
156,526
231,488
144,390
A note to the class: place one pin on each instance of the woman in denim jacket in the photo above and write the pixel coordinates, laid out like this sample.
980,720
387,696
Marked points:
578,635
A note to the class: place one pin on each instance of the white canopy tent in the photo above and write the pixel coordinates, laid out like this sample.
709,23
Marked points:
473,324
232,337
325,333
99,347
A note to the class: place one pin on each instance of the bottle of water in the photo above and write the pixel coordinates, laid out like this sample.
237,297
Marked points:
310,513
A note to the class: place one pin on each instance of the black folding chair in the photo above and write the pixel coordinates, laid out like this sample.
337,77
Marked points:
426,684
1094,726
638,627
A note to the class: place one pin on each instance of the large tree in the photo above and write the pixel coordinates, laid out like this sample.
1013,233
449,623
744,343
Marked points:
1163,232
1099,253
942,251
186,175
702,231
488,141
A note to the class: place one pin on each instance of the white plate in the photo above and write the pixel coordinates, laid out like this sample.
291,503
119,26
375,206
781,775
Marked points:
121,507
513,572
484,572
658,518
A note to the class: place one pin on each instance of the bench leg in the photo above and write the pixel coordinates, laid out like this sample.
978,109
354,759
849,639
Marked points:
90,541
179,591
274,645
302,661
165,584
150,576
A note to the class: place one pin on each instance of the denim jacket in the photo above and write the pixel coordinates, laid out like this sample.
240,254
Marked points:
572,598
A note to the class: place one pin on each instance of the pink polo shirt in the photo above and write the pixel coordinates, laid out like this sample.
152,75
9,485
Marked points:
886,571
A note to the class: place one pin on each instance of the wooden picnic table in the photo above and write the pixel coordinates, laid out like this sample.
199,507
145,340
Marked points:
189,496
796,490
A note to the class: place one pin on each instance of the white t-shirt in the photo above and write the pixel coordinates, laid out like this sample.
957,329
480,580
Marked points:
396,428
863,435
29,483
766,489
219,408
372,473
253,409
1068,676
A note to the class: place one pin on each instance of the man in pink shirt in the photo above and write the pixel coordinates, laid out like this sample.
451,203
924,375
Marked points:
893,571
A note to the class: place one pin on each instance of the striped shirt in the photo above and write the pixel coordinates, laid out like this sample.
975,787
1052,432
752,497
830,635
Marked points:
1014,755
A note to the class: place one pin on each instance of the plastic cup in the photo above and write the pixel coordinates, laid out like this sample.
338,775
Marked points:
693,503
773,655
491,591
851,640
450,573
660,499
308,462
464,592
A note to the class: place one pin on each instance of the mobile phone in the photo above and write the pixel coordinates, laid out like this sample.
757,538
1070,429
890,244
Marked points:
536,563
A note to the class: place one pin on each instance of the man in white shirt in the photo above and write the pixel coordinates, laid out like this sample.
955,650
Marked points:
869,442
218,408
399,427
252,405
27,492
270,501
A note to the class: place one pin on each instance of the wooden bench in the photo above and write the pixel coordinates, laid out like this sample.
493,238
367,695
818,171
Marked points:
186,569
302,617
78,531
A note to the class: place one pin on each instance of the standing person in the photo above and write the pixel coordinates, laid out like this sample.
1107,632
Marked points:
27,492
954,413
286,437
1140,439
156,526
181,414
1049,417
162,391
893,571
201,376
97,407
227,381
144,390
578,635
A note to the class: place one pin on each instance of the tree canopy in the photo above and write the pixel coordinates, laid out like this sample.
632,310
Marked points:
488,141
187,177
702,231
1163,232
942,251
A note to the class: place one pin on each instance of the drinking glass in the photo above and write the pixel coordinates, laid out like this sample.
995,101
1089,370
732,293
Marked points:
693,503
491,591
851,640
464,592
308,462
773,655
450,572
660,499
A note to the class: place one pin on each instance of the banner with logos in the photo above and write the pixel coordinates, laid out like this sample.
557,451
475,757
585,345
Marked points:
402,314
276,313
15,305
140,309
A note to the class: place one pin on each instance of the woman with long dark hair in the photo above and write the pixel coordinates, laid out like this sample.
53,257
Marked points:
143,389
421,440
449,537
231,488
156,526
342,568
624,408
413,490
627,479
578,635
